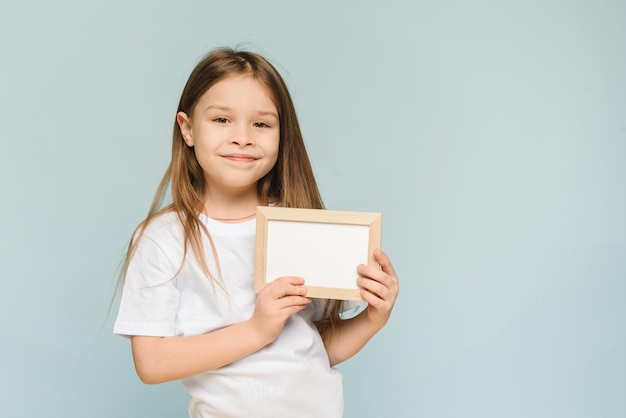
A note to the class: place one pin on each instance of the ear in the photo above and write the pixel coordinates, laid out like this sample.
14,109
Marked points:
185,127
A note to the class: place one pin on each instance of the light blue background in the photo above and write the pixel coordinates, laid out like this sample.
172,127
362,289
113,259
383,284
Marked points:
491,134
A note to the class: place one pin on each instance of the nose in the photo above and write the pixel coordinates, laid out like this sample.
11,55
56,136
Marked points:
242,135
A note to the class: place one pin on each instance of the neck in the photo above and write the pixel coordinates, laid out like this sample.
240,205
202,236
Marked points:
232,208
243,218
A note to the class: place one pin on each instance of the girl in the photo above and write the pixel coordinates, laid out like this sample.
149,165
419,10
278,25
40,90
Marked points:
188,302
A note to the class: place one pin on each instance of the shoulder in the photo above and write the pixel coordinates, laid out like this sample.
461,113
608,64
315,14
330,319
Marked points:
159,244
162,228
164,221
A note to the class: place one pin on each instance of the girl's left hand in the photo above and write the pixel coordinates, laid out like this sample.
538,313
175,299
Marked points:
379,288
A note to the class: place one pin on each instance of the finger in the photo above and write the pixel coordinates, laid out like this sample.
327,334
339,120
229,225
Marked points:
273,288
371,272
374,287
385,263
385,274
285,286
294,280
294,309
289,302
377,275
372,299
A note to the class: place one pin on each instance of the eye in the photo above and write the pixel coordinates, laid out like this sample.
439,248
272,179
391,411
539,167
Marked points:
220,120
260,125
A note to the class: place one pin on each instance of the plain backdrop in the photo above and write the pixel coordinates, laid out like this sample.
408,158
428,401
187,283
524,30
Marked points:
490,134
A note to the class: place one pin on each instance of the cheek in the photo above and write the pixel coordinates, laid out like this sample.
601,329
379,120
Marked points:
272,148
272,158
277,143
275,157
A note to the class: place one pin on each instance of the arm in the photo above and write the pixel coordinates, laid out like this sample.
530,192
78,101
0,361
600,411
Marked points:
161,359
380,290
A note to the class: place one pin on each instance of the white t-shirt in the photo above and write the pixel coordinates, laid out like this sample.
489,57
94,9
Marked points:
289,377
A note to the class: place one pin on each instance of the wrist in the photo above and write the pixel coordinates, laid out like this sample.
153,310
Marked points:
375,322
259,338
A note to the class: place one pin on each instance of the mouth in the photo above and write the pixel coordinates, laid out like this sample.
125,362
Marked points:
243,158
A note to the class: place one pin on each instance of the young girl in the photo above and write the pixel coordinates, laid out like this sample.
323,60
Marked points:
188,302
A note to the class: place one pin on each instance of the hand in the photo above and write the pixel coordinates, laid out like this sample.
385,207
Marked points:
275,303
379,288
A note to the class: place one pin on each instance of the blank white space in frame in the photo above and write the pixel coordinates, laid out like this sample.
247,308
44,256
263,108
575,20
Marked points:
325,255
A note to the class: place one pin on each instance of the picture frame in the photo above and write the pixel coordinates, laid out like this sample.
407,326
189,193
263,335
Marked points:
322,246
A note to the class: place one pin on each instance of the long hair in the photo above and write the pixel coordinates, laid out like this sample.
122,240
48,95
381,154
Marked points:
290,183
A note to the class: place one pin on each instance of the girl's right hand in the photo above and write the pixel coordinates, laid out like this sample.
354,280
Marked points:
275,303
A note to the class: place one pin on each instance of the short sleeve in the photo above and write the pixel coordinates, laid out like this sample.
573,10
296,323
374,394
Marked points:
149,297
352,308
349,308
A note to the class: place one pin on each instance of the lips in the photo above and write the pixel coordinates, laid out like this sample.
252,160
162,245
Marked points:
243,158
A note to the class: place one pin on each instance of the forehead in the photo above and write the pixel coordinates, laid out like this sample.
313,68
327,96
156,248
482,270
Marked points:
240,90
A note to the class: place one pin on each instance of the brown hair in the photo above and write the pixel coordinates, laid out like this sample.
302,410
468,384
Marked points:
290,183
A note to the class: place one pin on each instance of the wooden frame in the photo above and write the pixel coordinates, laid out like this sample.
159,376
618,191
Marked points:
322,246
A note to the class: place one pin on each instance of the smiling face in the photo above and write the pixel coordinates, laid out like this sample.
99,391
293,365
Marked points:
235,132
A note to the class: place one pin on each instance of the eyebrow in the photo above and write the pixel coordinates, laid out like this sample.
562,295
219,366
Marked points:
228,109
